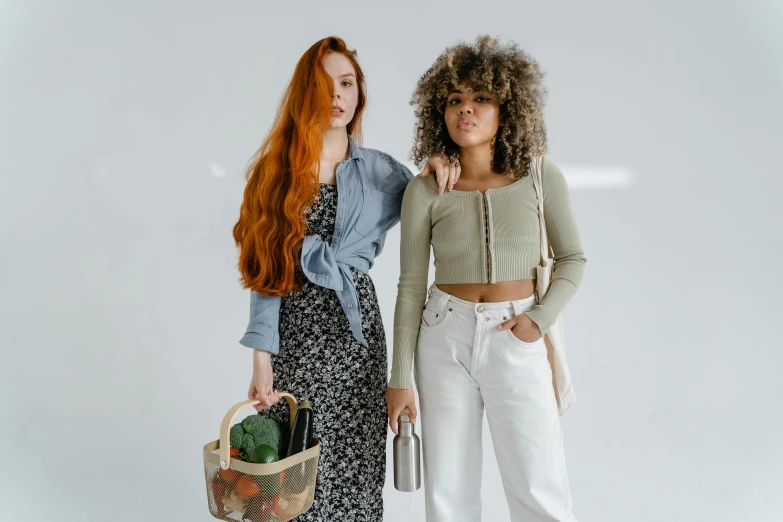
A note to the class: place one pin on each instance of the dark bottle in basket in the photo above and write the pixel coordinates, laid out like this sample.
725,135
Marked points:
407,455
301,439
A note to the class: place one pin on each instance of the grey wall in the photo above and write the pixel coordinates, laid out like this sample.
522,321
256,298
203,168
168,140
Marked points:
124,132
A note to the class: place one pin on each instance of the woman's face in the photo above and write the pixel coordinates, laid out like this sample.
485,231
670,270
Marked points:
346,92
472,117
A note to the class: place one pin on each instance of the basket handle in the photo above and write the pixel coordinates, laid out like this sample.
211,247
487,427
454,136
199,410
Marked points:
228,421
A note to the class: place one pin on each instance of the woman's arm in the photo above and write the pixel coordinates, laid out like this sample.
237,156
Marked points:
262,336
415,234
566,245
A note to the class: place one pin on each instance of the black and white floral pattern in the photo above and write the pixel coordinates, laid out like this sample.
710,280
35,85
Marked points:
320,360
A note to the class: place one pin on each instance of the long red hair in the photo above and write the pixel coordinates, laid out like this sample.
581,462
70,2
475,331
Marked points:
282,178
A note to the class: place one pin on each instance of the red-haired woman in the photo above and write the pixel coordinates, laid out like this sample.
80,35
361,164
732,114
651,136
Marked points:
315,214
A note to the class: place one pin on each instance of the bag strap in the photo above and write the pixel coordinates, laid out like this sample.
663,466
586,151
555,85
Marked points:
536,170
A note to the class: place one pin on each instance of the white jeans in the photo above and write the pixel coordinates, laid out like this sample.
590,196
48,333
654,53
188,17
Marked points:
464,364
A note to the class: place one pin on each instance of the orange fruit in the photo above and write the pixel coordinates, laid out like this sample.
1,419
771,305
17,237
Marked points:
246,487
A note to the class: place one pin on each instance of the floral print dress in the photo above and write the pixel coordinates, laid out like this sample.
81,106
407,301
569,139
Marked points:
320,360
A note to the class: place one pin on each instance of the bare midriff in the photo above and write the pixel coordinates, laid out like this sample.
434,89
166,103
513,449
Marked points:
491,293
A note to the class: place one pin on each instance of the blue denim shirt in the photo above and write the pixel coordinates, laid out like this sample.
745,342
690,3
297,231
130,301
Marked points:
370,186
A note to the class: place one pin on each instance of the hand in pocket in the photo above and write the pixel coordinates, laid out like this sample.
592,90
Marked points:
523,328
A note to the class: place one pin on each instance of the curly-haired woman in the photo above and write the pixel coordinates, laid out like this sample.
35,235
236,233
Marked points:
315,214
477,340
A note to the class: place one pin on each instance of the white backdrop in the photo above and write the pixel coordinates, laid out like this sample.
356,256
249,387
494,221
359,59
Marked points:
125,128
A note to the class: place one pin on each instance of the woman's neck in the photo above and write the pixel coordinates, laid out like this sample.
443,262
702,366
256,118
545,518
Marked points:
476,162
335,148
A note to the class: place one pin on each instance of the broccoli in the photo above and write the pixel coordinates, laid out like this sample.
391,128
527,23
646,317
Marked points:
254,431
236,434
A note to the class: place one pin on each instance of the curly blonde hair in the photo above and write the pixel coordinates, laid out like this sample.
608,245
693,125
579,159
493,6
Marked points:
511,75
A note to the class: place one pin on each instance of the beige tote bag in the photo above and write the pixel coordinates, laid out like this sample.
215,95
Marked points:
555,337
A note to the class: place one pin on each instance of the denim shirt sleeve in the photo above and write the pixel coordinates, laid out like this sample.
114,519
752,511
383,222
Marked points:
406,175
401,175
391,175
262,331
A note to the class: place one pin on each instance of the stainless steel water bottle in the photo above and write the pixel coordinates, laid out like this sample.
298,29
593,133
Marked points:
407,455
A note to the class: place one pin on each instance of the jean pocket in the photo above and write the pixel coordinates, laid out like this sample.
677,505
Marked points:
537,343
431,317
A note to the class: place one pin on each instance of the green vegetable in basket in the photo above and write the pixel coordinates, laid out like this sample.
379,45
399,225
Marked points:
254,431
263,454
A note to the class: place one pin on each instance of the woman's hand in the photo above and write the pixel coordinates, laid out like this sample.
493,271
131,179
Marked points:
261,385
446,172
523,328
397,399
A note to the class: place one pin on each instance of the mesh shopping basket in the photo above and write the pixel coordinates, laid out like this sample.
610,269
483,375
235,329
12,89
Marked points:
241,491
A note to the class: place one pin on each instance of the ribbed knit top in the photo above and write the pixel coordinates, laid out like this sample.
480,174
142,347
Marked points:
480,237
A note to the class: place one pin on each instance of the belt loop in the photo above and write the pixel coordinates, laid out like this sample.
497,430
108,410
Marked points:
443,301
517,308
